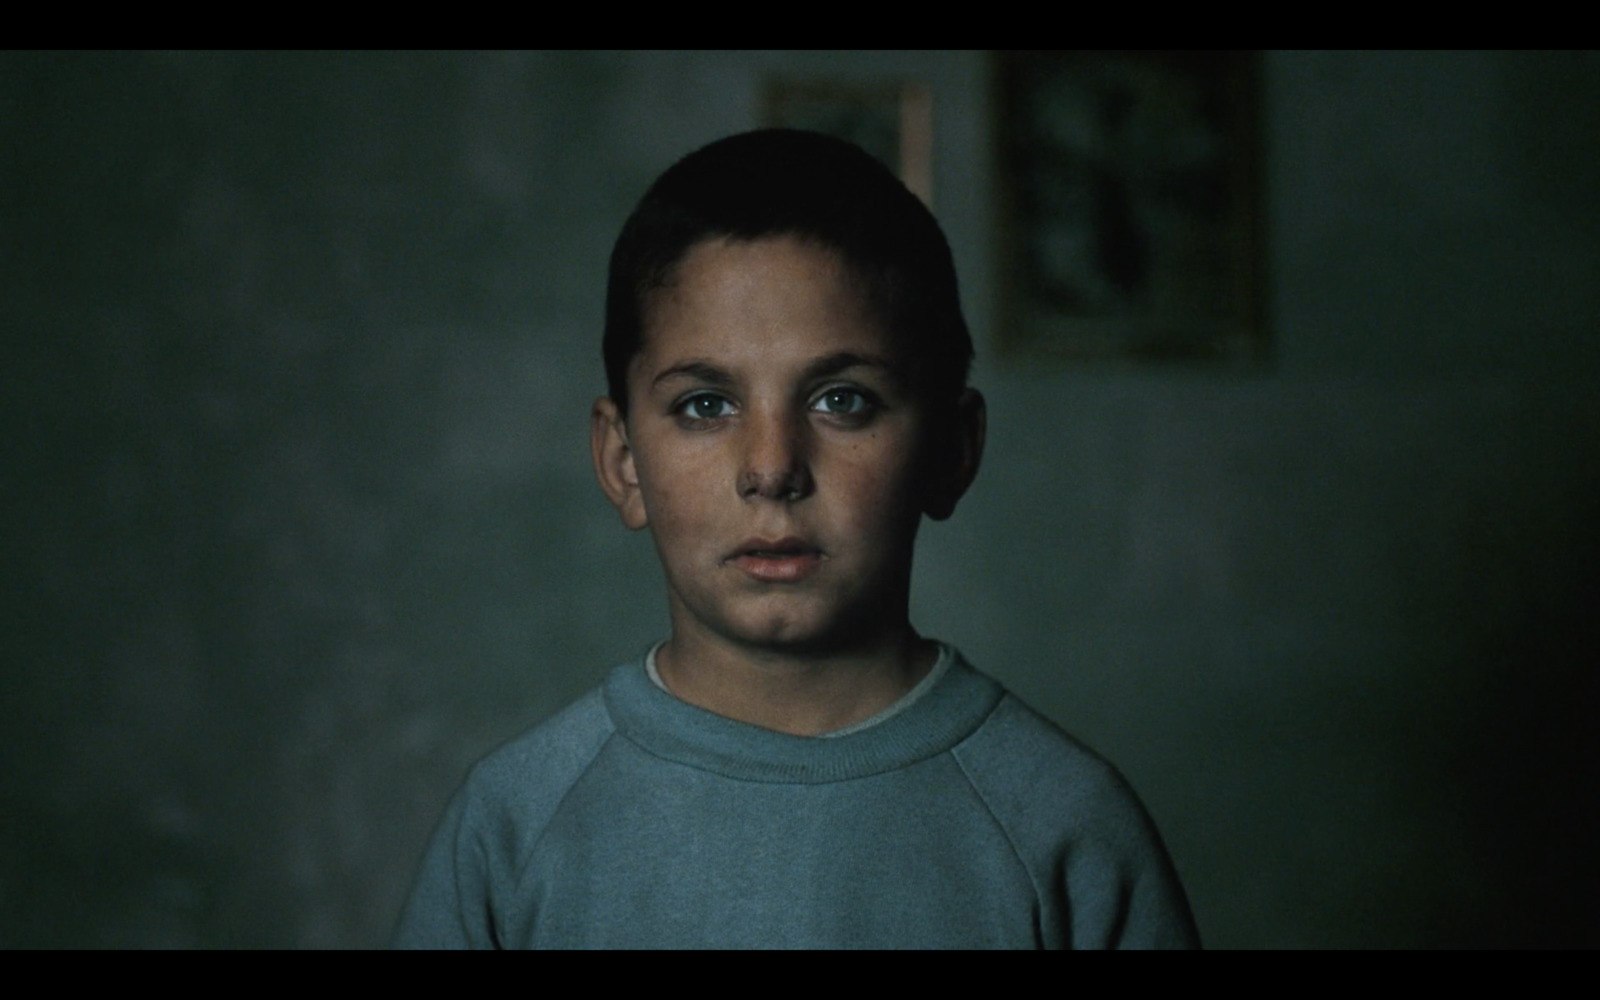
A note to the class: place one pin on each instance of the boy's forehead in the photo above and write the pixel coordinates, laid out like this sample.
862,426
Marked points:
760,304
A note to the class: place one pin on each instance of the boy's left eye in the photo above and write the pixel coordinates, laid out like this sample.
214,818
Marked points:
705,406
845,402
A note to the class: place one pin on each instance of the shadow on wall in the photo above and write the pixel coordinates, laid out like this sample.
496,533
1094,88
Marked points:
1532,766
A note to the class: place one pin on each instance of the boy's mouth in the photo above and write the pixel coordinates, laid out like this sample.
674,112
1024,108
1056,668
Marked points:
781,560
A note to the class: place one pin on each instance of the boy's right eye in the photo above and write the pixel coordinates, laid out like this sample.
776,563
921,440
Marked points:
705,406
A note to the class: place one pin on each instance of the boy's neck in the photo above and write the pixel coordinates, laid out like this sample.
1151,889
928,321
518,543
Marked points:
798,693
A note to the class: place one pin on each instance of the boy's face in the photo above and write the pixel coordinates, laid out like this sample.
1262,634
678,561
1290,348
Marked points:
773,447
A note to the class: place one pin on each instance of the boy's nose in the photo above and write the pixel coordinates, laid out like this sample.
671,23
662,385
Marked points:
776,463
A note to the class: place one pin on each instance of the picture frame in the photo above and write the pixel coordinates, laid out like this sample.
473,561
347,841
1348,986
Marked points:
892,120
1129,206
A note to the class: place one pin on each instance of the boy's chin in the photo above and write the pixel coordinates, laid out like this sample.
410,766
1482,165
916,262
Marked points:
793,632
780,633
803,620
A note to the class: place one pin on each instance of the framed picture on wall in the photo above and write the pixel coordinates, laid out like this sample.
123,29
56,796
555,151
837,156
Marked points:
892,121
1129,205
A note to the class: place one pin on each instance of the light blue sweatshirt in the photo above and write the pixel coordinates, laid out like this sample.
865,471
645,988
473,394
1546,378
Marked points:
635,820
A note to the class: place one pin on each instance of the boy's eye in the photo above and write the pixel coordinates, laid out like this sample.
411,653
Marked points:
844,402
705,406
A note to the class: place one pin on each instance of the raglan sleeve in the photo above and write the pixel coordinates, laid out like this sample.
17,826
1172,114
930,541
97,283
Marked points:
1102,876
449,906
469,891
1118,887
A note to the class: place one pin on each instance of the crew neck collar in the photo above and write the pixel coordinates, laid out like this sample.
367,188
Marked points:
940,712
941,663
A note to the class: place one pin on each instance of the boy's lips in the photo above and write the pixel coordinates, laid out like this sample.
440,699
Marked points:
780,560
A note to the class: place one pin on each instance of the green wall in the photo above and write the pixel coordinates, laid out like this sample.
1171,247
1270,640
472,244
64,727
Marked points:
299,518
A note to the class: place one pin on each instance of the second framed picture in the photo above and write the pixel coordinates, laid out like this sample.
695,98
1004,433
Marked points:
1129,205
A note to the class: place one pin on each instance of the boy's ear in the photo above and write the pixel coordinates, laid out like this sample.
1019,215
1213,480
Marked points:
956,454
613,462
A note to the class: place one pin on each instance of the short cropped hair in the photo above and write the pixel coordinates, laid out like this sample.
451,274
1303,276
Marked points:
822,190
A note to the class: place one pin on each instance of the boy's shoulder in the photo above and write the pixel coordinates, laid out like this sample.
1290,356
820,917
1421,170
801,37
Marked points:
1048,790
516,788
492,825
1080,829
1010,753
566,740
1034,776
1096,874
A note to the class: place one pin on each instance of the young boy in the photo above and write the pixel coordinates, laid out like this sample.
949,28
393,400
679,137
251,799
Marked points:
794,766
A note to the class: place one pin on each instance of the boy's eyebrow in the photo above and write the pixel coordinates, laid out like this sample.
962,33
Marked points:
822,367
833,364
702,370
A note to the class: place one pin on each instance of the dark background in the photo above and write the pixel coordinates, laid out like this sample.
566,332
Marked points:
299,519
